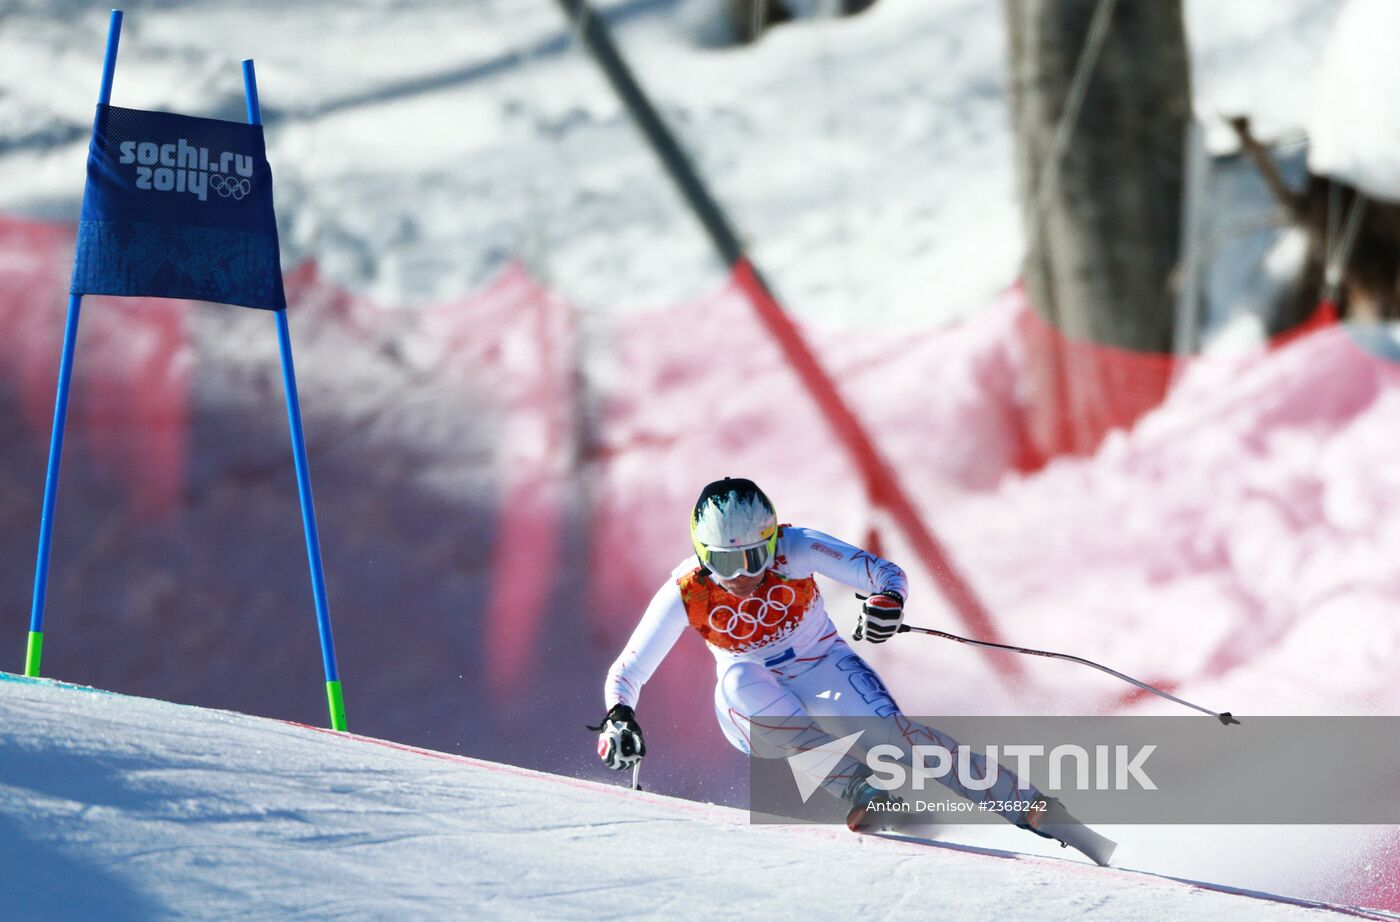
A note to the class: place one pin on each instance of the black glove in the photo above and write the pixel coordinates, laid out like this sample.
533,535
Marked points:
880,617
620,743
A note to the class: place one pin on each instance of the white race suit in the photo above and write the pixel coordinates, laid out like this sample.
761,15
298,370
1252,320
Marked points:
777,655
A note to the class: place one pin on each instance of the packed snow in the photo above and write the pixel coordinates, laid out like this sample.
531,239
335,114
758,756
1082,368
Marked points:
128,809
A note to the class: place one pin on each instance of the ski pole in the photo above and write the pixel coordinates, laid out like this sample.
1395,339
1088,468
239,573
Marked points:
1225,717
636,774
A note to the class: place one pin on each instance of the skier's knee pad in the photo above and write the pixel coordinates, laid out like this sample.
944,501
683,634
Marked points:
750,687
749,690
759,715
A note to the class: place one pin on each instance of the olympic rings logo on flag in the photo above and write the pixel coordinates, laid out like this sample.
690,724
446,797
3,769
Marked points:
230,186
753,613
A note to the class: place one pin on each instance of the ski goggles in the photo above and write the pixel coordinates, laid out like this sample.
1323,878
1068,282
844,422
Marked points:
732,562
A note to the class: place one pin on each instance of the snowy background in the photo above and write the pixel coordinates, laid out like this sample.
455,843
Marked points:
517,354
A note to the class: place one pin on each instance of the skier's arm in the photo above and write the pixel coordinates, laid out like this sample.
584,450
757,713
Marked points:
820,553
885,585
663,622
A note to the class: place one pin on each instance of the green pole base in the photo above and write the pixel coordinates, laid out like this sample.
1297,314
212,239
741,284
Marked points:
32,655
337,703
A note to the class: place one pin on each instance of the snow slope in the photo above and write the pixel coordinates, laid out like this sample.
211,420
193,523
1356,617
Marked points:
132,809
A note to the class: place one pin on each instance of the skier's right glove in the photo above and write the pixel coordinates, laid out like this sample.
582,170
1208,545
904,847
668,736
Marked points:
880,617
620,743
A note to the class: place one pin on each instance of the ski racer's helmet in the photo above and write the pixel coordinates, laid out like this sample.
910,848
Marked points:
734,529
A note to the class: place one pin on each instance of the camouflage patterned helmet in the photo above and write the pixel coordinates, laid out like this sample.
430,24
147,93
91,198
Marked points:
734,529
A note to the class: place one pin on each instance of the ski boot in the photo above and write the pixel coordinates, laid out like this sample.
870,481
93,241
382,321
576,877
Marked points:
869,806
1053,821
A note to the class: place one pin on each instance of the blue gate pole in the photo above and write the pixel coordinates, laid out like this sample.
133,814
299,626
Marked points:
335,698
34,650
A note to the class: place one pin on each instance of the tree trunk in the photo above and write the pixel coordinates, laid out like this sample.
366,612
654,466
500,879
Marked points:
751,18
1103,222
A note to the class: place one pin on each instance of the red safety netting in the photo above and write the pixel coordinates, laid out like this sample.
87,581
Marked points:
1078,391
131,399
585,483
697,391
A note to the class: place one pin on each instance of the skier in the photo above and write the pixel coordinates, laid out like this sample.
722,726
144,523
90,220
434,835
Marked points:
753,598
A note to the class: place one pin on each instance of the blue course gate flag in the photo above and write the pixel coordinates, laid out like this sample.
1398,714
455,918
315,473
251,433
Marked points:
178,207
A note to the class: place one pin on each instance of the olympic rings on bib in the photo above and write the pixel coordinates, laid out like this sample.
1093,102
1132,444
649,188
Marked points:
753,613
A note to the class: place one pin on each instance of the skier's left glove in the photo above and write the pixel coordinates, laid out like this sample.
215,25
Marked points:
880,617
620,743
